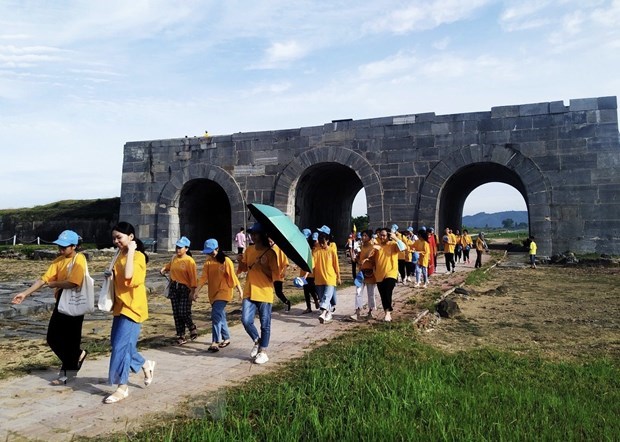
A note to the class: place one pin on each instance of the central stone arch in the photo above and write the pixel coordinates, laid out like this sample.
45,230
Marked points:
329,178
448,184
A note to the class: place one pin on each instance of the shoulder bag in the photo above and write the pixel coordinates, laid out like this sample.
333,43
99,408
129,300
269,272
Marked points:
106,295
79,300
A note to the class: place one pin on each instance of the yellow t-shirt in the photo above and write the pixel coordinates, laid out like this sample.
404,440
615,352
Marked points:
221,278
466,240
262,271
282,262
424,249
59,271
130,294
386,261
326,268
449,241
183,270
367,267
533,248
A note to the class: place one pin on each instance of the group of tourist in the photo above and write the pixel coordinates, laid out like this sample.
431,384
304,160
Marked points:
384,257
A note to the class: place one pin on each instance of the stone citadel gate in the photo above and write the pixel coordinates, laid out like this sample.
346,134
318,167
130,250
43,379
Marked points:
416,170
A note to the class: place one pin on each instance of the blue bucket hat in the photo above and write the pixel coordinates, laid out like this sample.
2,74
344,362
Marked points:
359,279
307,233
210,246
67,238
299,282
183,242
324,229
256,227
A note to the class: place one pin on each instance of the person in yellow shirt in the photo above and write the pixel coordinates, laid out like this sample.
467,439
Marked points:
532,252
458,248
326,276
219,273
449,242
423,249
261,264
183,281
130,311
278,283
467,244
385,259
64,333
370,283
481,246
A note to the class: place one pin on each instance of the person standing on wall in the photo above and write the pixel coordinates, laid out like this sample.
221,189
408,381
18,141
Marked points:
183,282
261,264
64,332
219,273
130,311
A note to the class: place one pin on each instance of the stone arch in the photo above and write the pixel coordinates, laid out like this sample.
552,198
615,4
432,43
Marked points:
447,185
167,215
315,158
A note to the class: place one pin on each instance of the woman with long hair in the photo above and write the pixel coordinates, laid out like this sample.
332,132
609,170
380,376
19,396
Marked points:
385,258
130,311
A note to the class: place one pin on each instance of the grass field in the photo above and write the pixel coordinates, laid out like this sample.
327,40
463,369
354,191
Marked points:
384,385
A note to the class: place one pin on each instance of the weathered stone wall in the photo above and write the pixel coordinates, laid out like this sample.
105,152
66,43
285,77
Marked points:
416,170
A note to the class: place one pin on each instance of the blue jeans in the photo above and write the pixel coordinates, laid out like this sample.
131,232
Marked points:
421,271
248,312
125,356
219,325
327,296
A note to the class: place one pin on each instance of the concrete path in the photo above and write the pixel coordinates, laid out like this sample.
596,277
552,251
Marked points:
32,409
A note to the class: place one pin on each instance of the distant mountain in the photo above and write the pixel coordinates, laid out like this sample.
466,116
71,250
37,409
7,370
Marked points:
483,219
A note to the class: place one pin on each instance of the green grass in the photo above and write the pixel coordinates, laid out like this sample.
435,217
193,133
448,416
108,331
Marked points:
381,384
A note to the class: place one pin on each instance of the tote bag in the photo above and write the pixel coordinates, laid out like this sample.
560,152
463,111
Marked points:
106,295
80,300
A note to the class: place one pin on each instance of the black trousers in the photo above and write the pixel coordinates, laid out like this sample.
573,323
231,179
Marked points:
64,336
310,293
449,261
478,259
181,308
277,286
386,287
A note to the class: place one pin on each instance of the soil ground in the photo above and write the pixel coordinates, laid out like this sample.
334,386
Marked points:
554,311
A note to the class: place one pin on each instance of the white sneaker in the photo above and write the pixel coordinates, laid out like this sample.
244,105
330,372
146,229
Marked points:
425,286
322,316
328,317
261,358
254,351
417,284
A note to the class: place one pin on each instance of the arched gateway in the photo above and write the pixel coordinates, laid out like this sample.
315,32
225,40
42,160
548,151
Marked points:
415,169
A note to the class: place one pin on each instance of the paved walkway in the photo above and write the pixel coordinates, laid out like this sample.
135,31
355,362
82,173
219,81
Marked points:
32,409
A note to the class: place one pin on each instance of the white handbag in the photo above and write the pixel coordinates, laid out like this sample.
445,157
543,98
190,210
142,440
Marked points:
80,300
106,295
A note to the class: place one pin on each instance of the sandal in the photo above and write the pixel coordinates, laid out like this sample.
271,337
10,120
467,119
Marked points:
224,344
193,334
149,370
118,395
213,348
181,340
82,358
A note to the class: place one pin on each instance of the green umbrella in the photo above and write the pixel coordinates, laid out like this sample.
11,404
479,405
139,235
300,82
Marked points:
284,233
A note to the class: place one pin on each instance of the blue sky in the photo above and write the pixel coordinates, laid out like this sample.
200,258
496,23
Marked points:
78,79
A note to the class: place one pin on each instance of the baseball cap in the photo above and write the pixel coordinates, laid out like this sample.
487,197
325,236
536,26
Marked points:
324,229
183,242
409,229
67,238
394,228
315,236
307,233
210,246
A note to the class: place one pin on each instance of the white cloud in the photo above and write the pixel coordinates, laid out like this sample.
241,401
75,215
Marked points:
399,63
425,15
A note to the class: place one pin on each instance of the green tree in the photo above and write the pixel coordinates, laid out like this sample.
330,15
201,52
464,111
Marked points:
508,223
360,222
